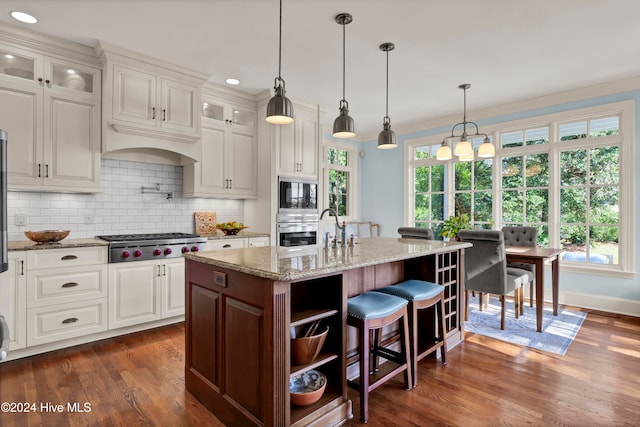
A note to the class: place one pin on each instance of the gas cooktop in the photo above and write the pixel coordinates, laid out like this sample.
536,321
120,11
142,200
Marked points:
152,246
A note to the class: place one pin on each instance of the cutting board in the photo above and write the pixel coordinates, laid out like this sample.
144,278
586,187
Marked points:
205,222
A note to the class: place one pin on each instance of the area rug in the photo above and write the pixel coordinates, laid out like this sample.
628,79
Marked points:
557,331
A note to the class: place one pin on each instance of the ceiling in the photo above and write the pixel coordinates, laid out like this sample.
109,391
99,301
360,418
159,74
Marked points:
507,50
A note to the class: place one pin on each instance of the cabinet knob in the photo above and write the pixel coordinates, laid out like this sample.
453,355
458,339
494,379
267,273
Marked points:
47,81
40,79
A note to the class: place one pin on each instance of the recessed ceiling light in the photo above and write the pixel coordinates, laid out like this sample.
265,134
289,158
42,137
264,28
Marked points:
23,17
233,81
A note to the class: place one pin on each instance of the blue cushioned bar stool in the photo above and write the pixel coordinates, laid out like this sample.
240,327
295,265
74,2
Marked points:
421,295
372,311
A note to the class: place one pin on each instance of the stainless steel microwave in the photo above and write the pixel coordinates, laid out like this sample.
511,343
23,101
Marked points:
297,196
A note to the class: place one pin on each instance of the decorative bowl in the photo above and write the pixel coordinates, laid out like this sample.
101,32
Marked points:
46,236
307,388
304,349
231,228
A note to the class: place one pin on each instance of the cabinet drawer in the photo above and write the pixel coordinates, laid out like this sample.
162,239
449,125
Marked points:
63,321
63,285
213,245
71,257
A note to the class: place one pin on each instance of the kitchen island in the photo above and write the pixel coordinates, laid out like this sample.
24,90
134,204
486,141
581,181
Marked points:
242,304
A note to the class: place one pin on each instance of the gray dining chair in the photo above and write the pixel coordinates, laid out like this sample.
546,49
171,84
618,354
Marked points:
415,233
486,270
522,236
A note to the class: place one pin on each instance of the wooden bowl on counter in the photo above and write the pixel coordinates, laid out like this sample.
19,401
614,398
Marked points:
307,388
46,236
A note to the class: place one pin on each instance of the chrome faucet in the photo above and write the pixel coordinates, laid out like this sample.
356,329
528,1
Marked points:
343,234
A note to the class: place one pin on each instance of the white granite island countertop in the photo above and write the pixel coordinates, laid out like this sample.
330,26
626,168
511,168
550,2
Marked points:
299,263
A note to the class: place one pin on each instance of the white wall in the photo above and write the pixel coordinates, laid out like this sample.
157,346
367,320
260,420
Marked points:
121,207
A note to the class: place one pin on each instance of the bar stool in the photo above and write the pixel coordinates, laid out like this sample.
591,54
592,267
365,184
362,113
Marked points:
421,295
372,311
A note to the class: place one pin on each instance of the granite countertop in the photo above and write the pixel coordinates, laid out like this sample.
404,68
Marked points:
293,264
240,235
27,245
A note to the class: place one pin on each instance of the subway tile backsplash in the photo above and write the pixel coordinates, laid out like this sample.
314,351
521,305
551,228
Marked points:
120,208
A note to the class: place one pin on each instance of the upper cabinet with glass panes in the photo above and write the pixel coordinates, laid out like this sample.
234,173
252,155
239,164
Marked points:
20,66
222,109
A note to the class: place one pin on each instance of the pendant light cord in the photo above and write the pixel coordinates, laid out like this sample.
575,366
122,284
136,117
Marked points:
280,45
344,67
387,106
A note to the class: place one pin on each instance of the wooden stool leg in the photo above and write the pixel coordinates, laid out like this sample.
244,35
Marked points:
466,306
441,331
405,346
502,315
363,337
413,321
516,302
531,289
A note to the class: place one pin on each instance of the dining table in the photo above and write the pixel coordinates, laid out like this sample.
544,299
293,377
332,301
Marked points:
539,256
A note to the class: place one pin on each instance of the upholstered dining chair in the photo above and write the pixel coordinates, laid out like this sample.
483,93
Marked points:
486,270
415,233
522,236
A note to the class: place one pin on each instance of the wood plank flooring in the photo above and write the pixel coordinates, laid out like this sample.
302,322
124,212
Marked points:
138,380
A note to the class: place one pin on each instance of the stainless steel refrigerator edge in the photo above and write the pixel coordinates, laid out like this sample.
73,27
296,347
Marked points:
4,265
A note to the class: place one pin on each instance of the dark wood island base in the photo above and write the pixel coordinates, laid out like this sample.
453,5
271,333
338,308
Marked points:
242,304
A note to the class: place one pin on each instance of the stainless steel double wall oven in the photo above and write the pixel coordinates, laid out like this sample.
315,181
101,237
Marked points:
297,218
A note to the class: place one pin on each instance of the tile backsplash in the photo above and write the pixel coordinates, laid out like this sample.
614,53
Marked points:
120,208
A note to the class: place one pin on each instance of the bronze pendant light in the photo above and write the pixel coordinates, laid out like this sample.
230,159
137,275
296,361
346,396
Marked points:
279,108
387,138
343,125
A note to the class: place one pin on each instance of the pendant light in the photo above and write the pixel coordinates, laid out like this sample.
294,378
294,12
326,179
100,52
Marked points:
387,138
343,126
464,149
279,108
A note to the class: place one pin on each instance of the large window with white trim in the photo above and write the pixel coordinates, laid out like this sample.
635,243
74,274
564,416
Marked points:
340,163
562,173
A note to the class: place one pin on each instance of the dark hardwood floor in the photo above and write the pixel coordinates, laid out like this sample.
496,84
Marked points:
138,380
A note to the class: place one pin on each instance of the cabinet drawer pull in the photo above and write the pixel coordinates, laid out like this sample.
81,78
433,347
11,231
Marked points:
164,114
39,170
70,320
68,257
153,113
70,285
226,246
46,173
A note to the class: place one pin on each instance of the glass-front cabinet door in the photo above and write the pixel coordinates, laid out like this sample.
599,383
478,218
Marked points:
228,114
15,65
71,77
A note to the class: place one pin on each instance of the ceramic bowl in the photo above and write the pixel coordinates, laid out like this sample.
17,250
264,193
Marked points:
307,388
46,236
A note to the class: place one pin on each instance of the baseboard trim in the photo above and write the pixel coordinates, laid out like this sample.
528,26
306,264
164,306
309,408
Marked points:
597,302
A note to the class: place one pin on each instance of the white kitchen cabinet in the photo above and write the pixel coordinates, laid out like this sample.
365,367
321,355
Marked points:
148,103
145,291
66,293
228,162
235,243
13,299
258,242
50,109
297,151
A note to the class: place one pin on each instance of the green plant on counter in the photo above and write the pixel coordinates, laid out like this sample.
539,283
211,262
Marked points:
453,224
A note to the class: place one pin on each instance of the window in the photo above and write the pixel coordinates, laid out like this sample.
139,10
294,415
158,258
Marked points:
563,173
339,178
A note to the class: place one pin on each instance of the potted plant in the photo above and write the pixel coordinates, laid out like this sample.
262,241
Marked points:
453,224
